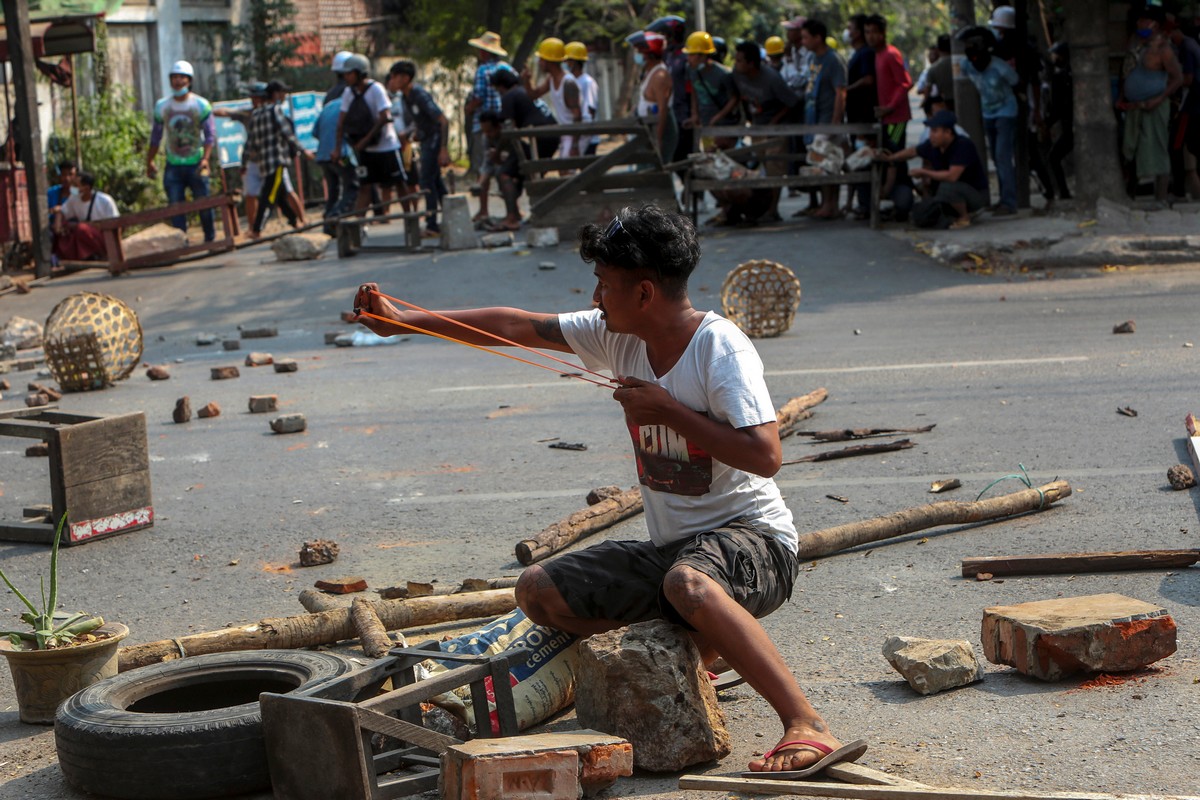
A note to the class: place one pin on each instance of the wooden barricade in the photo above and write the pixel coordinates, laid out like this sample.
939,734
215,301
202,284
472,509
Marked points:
761,135
631,174
115,251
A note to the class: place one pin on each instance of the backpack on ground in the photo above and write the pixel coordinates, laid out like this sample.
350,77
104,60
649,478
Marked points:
360,120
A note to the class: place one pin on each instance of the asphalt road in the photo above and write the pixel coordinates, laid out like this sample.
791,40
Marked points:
425,460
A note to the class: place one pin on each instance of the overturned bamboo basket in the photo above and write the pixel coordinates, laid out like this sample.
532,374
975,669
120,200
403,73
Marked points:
91,341
761,298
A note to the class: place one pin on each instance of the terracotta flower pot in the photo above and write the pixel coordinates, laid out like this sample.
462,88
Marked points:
44,678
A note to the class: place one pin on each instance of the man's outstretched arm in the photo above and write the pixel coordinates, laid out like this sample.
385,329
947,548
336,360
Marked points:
523,327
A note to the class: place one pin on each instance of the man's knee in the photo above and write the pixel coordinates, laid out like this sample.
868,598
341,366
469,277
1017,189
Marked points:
688,590
531,591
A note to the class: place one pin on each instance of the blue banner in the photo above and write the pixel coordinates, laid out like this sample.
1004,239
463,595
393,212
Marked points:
231,134
305,107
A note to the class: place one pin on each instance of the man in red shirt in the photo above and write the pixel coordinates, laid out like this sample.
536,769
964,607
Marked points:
892,83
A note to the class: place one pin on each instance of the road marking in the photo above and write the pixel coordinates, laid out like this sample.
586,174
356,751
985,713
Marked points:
1003,362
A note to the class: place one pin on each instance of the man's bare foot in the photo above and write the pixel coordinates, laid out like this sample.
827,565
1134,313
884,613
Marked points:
785,757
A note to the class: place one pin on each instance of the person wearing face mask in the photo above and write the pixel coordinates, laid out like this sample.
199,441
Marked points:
74,237
183,122
1151,75
995,80
654,93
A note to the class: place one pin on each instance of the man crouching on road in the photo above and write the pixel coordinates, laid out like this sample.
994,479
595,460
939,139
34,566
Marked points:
722,549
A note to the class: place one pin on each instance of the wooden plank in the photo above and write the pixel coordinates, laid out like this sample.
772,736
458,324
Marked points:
406,731
103,448
759,131
585,178
842,179
157,214
540,165
108,496
851,772
423,690
781,787
616,126
540,189
171,256
36,532
63,418
315,748
1070,563
27,430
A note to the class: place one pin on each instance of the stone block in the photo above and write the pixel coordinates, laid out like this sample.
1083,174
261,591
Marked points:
933,665
458,232
158,373
205,339
289,423
542,237
260,332
36,399
159,238
259,359
210,410
232,344
286,365
262,403
224,373
645,684
300,246
545,766
183,410
1052,639
331,336
498,239
22,333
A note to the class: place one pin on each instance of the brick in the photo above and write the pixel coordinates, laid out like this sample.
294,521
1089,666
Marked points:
53,394
210,410
262,332
289,423
37,450
224,373
343,585
286,365
548,766
259,359
25,364
5,385
232,344
262,403
183,410
1052,639
158,373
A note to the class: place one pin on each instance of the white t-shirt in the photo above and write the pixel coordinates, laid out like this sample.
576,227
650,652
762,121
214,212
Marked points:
685,490
378,101
76,208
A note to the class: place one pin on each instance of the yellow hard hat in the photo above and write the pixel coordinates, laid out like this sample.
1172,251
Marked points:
552,50
775,46
576,51
831,43
700,42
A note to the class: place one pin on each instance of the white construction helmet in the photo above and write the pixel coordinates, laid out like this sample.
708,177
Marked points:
339,61
183,68
1004,17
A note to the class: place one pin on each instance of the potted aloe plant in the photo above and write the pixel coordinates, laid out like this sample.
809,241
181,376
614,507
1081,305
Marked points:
61,653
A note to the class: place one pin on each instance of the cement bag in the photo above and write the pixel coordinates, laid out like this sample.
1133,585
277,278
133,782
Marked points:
542,685
826,154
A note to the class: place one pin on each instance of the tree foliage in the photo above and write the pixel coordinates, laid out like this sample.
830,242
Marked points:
263,45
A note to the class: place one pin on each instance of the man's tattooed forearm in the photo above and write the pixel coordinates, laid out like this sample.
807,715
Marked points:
549,329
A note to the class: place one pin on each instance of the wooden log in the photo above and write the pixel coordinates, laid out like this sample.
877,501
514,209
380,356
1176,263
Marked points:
1071,563
850,434
372,636
483,584
718,783
797,409
947,512
326,627
315,602
583,523
857,450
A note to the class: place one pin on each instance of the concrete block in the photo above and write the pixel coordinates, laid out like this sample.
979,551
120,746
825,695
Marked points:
261,332
259,359
458,232
547,766
933,665
498,239
224,373
286,365
159,238
232,344
542,237
289,423
1052,639
262,403
300,246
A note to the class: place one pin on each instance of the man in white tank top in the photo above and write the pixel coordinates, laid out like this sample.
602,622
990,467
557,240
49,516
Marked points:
561,87
589,91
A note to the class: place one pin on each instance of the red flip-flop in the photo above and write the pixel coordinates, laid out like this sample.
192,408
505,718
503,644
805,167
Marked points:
725,680
845,753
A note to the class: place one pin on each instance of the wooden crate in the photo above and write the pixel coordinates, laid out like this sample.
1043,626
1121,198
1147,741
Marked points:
99,474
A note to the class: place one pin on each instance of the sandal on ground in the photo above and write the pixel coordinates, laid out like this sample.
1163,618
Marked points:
960,223
725,680
845,753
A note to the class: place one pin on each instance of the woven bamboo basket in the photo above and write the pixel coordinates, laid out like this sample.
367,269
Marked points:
91,341
761,298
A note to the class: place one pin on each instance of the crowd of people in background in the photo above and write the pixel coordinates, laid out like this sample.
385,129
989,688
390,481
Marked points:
383,141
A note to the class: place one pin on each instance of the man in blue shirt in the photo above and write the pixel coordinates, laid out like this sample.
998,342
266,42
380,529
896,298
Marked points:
952,164
58,193
427,125
995,80
341,181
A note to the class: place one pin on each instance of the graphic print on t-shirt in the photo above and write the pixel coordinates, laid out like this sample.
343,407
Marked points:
666,462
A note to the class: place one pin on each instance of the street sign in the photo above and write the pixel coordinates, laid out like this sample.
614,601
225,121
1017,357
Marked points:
305,108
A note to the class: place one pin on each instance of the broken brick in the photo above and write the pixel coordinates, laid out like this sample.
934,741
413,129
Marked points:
286,365
289,423
158,373
5,385
1127,326
316,553
1051,639
224,373
53,394
263,332
258,359
262,403
210,410
36,450
343,585
183,410
547,766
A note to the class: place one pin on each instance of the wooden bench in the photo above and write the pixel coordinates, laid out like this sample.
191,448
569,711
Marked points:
115,251
695,186
350,233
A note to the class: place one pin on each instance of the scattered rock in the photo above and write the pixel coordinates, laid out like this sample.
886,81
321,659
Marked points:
1051,639
261,332
158,373
546,266
4,385
394,593
36,399
205,339
315,553
1127,411
24,334
224,373
158,238
300,246
232,344
210,410
289,423
262,403
601,493
183,410
933,665
331,336
1127,326
259,359
38,450
286,365
1181,477
644,683
499,239
343,585
542,237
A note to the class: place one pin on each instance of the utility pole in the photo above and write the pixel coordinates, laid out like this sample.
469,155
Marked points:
700,23
29,133
966,96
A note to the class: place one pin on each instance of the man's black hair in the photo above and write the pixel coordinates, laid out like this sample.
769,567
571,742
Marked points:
504,78
404,68
751,52
87,179
64,166
659,244
860,20
943,43
878,21
490,116
815,28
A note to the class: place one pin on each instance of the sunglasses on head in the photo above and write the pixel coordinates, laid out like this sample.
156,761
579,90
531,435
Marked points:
614,228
